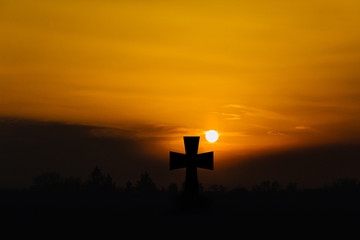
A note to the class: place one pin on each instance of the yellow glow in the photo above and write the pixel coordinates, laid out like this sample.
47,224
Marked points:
212,136
283,74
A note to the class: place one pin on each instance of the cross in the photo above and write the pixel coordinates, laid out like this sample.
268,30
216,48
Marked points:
191,161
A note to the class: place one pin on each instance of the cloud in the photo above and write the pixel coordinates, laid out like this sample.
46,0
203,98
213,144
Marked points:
233,106
148,131
145,132
307,166
235,134
231,116
276,133
110,132
243,110
302,127
30,148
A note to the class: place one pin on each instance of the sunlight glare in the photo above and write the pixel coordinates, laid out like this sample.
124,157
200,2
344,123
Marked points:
211,136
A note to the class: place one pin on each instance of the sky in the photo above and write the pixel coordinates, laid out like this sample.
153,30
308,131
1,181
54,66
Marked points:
267,75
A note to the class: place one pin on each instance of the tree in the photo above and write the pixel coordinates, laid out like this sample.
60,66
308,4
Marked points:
72,184
292,187
217,188
173,189
50,181
109,184
98,180
96,177
145,185
129,188
267,186
346,184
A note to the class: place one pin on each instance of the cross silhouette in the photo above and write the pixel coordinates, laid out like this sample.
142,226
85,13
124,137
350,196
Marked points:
191,161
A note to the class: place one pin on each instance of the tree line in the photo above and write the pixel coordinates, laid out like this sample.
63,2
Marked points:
99,195
99,181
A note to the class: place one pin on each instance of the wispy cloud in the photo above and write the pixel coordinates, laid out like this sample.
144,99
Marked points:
233,106
144,132
235,134
164,131
246,110
243,110
231,116
302,127
276,133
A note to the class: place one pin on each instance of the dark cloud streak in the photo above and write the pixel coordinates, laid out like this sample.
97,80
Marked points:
29,148
307,166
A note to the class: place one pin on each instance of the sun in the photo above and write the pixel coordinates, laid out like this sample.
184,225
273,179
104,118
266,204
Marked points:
212,136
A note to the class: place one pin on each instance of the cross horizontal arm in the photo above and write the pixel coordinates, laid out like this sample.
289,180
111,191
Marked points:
177,160
206,160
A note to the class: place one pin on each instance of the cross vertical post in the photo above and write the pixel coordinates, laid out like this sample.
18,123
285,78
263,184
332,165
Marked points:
191,160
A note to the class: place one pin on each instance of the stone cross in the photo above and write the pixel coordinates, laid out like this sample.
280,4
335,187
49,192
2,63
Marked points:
191,160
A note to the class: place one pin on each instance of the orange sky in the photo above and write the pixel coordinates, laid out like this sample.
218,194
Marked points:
263,73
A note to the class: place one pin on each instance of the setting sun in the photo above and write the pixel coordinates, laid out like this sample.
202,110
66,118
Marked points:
212,136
